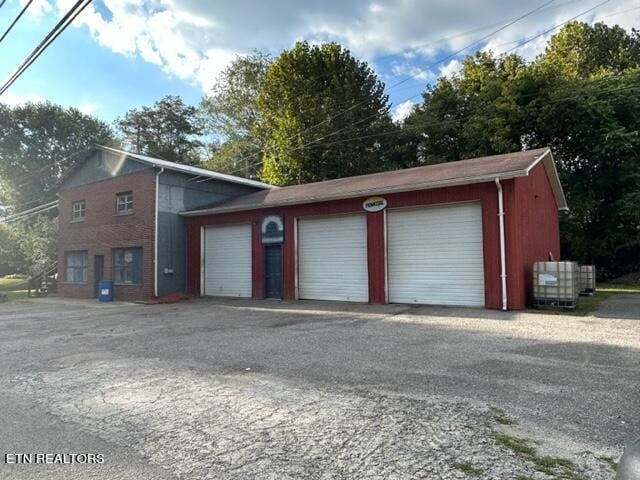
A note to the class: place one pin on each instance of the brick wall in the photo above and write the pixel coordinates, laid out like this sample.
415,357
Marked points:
103,230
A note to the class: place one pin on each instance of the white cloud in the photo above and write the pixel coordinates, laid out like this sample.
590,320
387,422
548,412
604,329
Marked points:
402,111
195,39
409,70
14,99
38,8
450,68
87,108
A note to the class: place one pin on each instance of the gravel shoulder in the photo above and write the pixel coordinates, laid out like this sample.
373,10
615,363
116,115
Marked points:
244,389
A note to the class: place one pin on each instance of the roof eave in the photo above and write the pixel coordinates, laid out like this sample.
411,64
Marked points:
549,164
361,193
212,175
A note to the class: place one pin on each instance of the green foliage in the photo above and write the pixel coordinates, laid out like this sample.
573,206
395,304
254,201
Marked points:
468,468
580,50
556,467
169,130
40,142
320,115
582,98
29,246
231,114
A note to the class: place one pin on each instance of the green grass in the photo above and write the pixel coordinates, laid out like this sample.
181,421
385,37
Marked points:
501,417
556,467
610,461
468,468
11,283
587,304
14,295
617,288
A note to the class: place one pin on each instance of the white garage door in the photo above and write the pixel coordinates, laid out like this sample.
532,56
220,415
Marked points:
332,258
227,261
435,255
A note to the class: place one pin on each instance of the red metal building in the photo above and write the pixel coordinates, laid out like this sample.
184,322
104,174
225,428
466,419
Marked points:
459,233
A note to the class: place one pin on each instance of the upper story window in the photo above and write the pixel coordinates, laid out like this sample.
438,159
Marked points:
78,210
124,203
76,267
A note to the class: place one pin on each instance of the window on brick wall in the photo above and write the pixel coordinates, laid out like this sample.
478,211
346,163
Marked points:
78,210
127,266
76,267
124,203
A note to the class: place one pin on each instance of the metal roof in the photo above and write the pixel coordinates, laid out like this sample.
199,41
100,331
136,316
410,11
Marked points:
178,167
476,170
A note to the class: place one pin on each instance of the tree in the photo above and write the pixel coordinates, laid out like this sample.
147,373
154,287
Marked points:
581,96
170,130
581,50
40,142
593,126
29,246
232,114
472,113
321,113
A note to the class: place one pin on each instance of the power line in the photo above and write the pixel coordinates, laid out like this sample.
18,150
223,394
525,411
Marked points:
548,2
61,26
557,26
444,59
24,9
438,122
30,212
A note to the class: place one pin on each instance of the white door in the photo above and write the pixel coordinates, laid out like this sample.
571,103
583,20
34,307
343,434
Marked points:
227,261
332,258
435,256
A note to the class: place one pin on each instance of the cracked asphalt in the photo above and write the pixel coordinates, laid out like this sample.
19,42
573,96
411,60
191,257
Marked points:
232,389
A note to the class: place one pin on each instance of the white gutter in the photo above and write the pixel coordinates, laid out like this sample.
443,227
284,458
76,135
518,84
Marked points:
155,238
503,259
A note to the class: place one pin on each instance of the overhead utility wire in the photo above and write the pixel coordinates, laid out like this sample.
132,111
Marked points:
24,9
444,59
520,44
61,26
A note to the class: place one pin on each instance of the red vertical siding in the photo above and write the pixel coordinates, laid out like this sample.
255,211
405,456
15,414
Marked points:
537,218
537,232
376,261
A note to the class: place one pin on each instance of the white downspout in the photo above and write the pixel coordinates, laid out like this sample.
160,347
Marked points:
155,238
503,260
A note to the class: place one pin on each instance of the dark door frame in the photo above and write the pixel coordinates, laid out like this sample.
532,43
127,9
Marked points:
98,265
266,272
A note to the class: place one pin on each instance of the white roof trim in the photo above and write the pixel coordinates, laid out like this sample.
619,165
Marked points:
177,167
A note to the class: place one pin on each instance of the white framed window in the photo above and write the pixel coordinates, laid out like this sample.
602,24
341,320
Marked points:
124,203
76,267
78,210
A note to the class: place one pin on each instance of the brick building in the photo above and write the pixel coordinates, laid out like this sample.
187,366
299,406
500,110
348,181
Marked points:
119,219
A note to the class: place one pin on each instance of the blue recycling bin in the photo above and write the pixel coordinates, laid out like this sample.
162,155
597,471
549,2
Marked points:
105,291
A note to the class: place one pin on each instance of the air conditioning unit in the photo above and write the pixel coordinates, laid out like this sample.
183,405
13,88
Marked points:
555,284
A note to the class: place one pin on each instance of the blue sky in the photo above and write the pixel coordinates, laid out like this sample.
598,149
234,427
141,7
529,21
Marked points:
121,54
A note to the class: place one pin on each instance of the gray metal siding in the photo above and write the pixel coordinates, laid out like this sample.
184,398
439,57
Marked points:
101,166
178,192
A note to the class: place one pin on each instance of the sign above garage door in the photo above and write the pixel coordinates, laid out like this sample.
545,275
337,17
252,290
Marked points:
374,204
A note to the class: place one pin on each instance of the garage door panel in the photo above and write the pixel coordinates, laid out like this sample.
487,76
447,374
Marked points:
332,258
435,255
227,257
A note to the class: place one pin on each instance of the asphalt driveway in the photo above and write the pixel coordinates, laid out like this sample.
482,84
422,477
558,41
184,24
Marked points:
246,389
